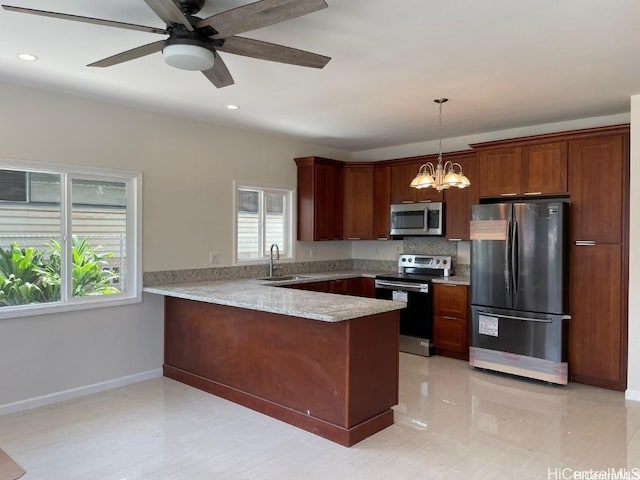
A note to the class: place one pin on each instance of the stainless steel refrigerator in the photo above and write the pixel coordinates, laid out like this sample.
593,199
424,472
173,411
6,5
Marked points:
519,288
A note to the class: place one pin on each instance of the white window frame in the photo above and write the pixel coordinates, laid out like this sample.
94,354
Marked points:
133,292
289,194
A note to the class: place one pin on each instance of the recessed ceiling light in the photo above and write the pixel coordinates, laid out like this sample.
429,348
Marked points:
232,107
27,57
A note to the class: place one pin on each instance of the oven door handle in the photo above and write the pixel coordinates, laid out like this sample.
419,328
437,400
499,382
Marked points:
409,287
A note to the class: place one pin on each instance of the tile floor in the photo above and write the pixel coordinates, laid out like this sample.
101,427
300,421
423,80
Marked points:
452,422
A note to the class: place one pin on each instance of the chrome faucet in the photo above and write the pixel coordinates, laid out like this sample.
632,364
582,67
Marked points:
271,267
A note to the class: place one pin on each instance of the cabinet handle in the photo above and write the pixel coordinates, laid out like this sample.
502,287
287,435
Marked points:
533,193
585,243
353,238
424,201
382,238
449,318
407,201
455,239
447,285
508,194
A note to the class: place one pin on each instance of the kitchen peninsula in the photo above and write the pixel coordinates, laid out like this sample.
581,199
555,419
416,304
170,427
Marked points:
325,363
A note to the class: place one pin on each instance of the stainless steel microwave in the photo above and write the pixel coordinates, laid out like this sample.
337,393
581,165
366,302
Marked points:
417,218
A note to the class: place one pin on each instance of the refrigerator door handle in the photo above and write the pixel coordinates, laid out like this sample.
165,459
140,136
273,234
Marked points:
514,256
507,259
513,317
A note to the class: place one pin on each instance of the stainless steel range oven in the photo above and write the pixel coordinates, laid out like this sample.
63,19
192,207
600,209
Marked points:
412,284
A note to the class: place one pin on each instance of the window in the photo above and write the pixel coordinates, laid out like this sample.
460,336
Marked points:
263,218
69,238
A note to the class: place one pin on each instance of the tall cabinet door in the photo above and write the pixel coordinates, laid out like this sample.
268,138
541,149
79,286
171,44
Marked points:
597,334
599,260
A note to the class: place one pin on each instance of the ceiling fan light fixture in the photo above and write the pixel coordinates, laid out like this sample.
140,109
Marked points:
188,57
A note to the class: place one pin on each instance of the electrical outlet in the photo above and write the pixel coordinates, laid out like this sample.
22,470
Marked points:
214,258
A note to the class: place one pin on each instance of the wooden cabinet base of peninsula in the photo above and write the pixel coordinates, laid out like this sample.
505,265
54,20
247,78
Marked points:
338,380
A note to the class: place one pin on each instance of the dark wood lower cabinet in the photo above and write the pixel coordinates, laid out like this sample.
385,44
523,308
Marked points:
597,338
338,380
356,286
451,320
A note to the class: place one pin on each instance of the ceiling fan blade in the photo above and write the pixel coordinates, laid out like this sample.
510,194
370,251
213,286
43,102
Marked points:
259,14
78,18
169,12
219,75
272,52
129,54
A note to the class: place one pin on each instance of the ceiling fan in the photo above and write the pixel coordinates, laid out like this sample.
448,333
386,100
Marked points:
194,43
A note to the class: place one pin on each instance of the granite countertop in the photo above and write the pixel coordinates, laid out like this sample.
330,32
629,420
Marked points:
261,294
453,280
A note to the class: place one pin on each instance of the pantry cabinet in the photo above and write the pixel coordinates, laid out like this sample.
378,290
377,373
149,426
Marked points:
599,259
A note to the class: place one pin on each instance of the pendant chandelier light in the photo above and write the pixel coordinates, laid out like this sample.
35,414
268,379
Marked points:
441,176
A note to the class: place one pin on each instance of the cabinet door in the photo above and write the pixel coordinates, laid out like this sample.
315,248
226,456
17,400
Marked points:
401,176
322,286
340,286
457,202
500,172
358,203
544,169
328,202
596,198
450,300
450,335
597,327
450,321
381,202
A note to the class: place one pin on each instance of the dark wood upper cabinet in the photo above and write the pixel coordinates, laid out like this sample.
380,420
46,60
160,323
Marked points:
500,172
544,169
358,202
320,199
401,176
523,170
381,201
402,173
597,199
458,201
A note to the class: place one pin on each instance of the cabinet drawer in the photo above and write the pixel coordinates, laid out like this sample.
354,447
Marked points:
450,333
450,300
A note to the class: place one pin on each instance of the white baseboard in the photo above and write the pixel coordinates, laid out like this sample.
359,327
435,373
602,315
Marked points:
56,397
632,395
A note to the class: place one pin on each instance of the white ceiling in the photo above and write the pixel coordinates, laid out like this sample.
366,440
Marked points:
502,63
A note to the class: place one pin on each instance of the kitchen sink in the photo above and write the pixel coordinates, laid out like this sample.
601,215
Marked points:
282,279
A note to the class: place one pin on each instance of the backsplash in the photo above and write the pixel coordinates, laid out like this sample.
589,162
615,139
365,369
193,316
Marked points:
196,275
412,245
436,246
